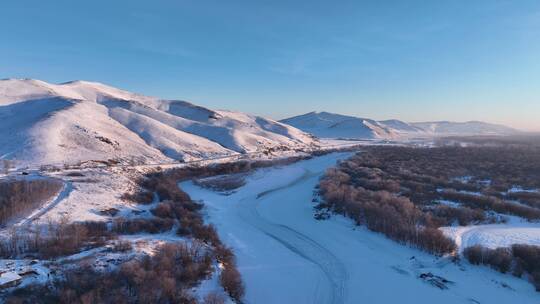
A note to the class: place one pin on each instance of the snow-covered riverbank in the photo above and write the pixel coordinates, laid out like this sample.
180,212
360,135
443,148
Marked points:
286,256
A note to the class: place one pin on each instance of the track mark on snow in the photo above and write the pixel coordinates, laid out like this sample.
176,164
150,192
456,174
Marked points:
66,190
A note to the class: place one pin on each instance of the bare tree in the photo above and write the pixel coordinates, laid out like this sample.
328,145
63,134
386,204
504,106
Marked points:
6,166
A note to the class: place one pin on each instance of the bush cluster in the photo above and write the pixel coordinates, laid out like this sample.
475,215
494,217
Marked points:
18,197
520,259
55,240
164,277
492,203
381,211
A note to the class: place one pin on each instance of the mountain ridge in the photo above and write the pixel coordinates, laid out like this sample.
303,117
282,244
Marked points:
325,124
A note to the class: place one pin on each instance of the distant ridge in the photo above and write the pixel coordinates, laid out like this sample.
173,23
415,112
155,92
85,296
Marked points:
330,125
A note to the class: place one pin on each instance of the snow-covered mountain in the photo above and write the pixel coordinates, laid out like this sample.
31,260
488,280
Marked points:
43,123
441,128
329,125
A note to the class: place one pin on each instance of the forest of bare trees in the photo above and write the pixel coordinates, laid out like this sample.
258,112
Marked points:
381,211
20,196
165,277
55,240
408,193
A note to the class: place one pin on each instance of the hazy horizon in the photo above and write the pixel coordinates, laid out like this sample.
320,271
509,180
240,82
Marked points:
413,61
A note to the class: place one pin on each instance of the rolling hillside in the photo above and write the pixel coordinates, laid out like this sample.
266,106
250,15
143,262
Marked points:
43,123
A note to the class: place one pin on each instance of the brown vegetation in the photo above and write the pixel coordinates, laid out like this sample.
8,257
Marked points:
223,182
398,190
165,277
18,197
55,240
175,206
519,259
380,211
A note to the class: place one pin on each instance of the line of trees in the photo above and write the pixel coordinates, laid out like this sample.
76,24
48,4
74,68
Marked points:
396,217
519,259
55,240
485,202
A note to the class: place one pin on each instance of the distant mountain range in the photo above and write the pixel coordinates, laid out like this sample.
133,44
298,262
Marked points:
43,123
330,125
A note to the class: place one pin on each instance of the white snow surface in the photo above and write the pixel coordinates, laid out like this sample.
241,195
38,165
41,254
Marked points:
330,125
286,256
70,123
516,231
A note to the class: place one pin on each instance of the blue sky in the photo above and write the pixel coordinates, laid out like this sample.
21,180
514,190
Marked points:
412,60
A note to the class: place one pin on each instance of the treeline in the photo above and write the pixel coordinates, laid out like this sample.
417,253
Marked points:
532,199
55,240
527,141
380,211
478,178
520,260
492,203
19,197
165,277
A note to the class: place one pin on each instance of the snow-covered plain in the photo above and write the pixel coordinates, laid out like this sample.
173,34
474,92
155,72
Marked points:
286,256
515,231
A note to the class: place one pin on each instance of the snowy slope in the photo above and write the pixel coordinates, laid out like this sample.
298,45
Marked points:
329,125
43,123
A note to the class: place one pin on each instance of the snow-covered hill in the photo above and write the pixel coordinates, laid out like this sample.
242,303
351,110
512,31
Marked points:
329,125
441,128
43,123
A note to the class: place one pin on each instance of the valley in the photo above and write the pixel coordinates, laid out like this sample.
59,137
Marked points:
245,208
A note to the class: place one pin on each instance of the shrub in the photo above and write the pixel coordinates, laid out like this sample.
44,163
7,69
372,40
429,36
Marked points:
519,259
138,225
165,277
214,298
122,246
231,281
